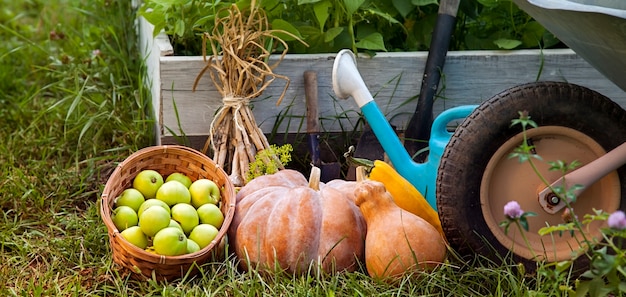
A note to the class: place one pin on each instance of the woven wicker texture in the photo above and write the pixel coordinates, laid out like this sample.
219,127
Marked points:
166,160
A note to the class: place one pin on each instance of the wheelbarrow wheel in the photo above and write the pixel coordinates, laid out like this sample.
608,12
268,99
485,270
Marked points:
477,175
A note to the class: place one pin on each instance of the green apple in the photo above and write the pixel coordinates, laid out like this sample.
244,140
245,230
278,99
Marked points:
124,217
152,202
150,250
204,191
203,234
192,246
173,192
135,236
210,214
174,223
148,182
186,216
130,197
170,241
153,219
180,177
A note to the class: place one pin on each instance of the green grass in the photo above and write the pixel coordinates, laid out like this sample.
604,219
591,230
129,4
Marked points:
72,105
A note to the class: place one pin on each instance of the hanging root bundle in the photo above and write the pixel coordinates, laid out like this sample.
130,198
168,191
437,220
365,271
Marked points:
241,43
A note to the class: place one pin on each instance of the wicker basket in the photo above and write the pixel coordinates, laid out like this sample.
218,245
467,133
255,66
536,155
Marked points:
165,160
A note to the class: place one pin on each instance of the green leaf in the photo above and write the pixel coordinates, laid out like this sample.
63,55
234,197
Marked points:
504,43
622,287
270,6
573,165
165,3
598,288
489,3
524,223
300,2
556,165
384,16
154,16
373,41
529,214
321,12
505,224
582,288
332,33
532,34
210,19
424,2
602,262
352,5
404,7
563,265
280,24
158,27
558,228
621,270
179,28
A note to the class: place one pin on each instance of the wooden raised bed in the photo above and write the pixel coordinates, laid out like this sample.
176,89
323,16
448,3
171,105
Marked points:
469,77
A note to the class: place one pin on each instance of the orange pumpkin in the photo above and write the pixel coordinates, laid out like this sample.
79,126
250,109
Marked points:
397,241
284,221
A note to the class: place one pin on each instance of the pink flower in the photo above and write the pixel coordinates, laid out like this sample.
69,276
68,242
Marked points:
617,220
513,210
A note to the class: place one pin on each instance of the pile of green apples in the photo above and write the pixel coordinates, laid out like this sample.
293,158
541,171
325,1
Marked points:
172,216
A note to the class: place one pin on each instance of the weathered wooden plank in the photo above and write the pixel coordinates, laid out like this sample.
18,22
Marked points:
469,77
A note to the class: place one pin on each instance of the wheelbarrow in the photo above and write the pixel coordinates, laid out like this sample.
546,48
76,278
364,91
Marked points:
471,170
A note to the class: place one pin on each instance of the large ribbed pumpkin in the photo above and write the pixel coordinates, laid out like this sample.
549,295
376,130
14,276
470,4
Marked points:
282,221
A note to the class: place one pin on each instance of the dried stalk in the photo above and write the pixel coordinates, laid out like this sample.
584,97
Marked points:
240,71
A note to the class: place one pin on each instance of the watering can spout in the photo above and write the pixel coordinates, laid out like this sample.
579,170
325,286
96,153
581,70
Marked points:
347,80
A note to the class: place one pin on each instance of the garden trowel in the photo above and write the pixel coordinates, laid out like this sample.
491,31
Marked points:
332,170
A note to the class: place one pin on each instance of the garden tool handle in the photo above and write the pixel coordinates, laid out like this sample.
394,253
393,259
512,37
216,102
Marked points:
312,116
419,126
449,7
584,176
310,94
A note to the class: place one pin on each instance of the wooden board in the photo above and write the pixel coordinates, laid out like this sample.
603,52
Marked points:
469,77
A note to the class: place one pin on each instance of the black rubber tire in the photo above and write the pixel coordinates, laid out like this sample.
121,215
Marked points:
482,133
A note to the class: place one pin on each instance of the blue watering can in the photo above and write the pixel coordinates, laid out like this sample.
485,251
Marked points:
347,81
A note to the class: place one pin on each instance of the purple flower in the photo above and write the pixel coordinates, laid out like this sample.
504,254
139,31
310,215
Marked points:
512,210
617,220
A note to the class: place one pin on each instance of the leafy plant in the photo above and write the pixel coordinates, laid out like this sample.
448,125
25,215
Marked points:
361,25
183,20
357,24
263,161
499,24
326,25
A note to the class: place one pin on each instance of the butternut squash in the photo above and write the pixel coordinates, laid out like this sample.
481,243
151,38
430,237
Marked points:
404,194
396,241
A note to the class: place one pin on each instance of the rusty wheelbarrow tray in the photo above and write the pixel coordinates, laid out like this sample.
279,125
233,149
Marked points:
594,29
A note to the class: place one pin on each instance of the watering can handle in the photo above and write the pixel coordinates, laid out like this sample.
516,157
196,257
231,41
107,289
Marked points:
439,133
